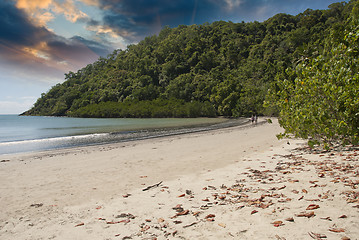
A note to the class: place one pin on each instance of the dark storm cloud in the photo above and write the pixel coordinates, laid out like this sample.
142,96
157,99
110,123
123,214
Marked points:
135,19
38,51
15,28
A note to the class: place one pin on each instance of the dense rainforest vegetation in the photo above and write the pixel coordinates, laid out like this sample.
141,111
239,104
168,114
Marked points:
218,69
318,99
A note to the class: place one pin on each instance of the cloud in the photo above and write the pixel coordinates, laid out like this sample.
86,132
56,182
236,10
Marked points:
91,2
69,10
41,11
133,20
37,51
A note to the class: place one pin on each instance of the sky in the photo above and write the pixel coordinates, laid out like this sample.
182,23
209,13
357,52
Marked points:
41,40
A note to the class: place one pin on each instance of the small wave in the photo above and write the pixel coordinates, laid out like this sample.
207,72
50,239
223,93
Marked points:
55,139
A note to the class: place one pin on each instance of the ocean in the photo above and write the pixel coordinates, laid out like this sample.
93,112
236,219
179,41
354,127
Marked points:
20,134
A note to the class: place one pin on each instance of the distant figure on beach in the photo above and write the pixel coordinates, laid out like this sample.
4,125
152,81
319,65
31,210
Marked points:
252,119
255,119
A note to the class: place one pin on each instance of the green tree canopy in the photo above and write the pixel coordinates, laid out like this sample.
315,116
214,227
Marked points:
319,99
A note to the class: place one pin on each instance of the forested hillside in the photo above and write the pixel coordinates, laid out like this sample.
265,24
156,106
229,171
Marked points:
222,68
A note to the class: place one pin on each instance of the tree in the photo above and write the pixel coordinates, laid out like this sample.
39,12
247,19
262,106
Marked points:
319,98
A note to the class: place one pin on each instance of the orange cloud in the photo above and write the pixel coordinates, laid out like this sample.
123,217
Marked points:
69,10
40,10
91,2
33,4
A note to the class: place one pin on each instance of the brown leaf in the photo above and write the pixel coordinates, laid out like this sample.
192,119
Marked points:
305,214
254,211
343,216
182,195
210,216
305,191
80,224
185,212
317,235
312,207
277,223
290,219
337,230
326,218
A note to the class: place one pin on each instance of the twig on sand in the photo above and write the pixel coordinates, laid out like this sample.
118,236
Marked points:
152,186
189,225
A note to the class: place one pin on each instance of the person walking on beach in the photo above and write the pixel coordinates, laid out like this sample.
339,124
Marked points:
252,118
255,119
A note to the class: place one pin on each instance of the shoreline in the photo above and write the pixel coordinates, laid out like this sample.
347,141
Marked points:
102,138
233,183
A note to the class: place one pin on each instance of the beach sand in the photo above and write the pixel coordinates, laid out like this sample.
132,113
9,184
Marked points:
233,183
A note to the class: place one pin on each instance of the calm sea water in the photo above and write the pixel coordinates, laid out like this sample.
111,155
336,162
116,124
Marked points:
28,133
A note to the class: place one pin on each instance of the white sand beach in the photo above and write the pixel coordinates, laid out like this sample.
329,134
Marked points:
233,183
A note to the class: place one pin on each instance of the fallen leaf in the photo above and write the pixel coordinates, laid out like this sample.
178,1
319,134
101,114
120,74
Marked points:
185,212
305,191
343,216
210,216
316,235
290,219
305,214
196,213
277,223
337,230
326,218
254,211
80,224
182,195
312,207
